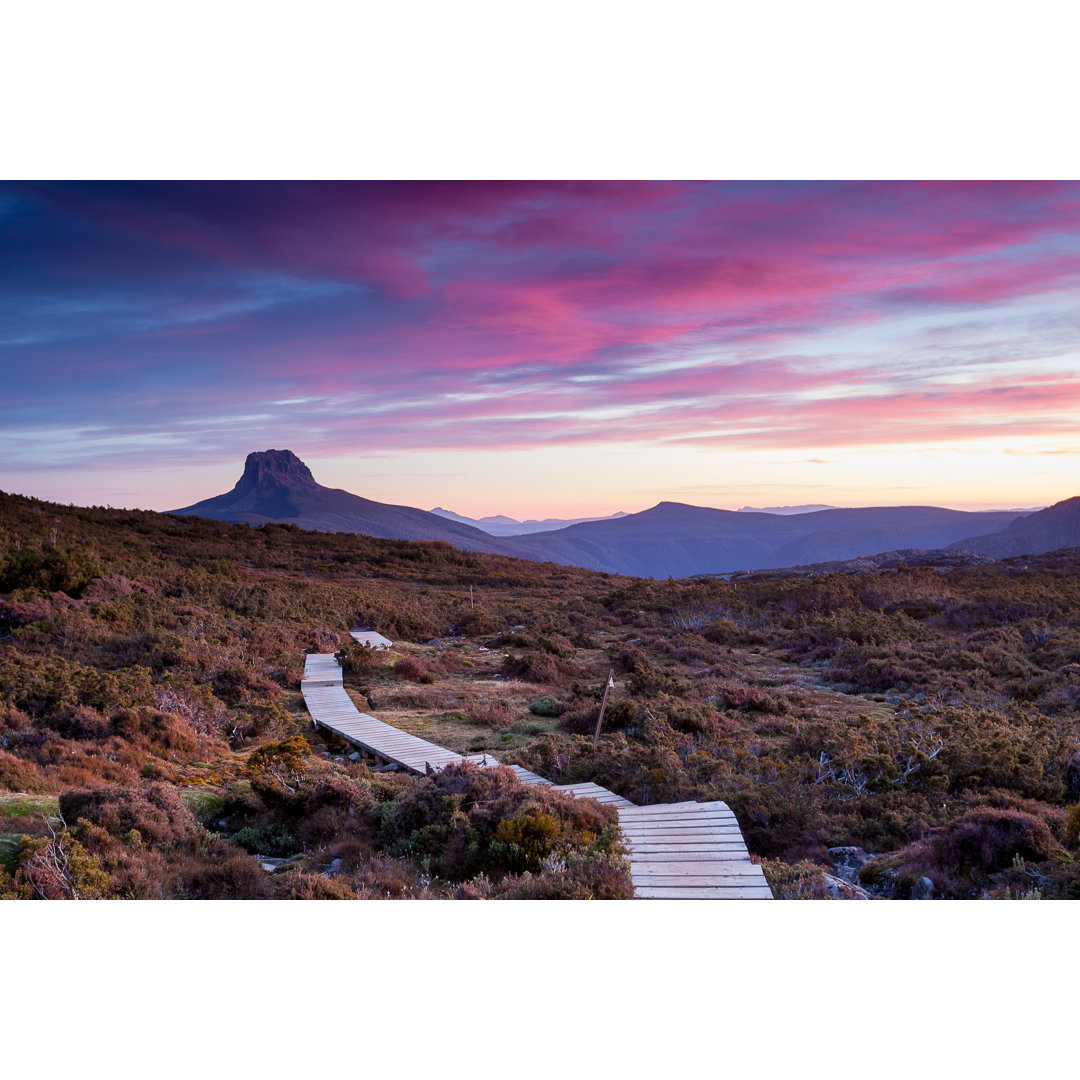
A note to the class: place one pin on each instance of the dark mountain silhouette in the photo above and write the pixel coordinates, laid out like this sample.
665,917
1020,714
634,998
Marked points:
278,486
673,539
1055,527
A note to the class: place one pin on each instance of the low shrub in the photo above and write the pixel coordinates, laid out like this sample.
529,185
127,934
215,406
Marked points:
523,842
489,712
299,884
17,774
219,871
987,839
466,820
548,705
276,840
415,670
803,880
156,812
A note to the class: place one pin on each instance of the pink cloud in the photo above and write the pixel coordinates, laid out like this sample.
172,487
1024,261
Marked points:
702,311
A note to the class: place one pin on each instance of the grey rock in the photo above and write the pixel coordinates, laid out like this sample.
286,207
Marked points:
356,756
848,861
334,868
838,889
923,889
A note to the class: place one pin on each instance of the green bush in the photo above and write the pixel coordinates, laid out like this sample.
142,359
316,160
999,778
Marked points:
548,705
274,841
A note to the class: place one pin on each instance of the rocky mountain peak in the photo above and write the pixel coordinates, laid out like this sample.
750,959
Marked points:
272,469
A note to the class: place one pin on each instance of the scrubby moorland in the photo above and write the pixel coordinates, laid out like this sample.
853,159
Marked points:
153,742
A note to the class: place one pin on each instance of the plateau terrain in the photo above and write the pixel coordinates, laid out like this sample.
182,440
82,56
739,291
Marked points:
897,726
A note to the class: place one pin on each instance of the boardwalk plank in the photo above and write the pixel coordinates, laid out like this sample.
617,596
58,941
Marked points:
719,892
689,881
687,857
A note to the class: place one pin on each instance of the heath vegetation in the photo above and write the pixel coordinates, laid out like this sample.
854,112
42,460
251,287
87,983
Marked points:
150,716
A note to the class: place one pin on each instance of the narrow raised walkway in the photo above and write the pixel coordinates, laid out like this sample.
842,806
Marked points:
678,851
372,638
332,708
690,851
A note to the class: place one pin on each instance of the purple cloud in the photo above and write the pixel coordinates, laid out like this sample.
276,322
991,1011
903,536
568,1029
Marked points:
204,320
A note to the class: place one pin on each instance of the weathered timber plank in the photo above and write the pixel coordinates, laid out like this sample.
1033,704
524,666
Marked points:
694,836
719,857
721,847
696,821
661,809
527,777
702,828
372,638
690,881
735,892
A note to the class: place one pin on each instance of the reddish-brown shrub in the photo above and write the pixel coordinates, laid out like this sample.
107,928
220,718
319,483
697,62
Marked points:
219,871
19,775
382,878
489,712
538,667
166,731
303,885
414,669
987,839
156,812
575,879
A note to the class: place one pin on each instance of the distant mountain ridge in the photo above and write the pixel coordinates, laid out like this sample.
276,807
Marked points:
278,486
807,508
670,539
1055,527
500,525
678,540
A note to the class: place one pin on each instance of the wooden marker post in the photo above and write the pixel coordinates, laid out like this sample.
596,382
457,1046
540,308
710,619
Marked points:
603,705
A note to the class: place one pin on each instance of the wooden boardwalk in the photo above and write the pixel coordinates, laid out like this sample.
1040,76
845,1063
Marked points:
370,637
332,708
690,851
678,851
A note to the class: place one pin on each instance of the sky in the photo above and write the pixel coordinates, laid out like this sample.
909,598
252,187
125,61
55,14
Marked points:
544,349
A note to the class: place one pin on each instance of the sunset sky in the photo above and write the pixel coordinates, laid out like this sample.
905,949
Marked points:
545,349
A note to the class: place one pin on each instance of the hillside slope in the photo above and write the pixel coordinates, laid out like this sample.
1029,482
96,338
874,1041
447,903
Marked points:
921,719
677,540
669,540
1055,527
278,486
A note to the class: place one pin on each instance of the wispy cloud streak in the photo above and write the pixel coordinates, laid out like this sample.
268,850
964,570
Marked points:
208,319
